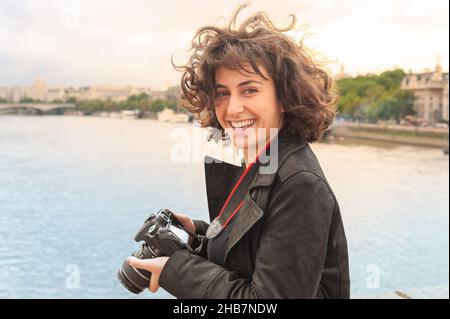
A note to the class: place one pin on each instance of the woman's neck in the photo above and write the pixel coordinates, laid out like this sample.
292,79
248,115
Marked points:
250,153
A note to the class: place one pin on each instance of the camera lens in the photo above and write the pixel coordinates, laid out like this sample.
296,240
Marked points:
136,280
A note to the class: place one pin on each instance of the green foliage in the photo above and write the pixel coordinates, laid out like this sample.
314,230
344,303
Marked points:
30,100
2,100
72,100
141,102
159,105
90,106
374,97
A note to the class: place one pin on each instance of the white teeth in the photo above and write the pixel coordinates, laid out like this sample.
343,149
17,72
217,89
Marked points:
242,123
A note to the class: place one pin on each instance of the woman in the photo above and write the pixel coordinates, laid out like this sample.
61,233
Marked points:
276,233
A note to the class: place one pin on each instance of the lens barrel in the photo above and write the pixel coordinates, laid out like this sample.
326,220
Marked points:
136,280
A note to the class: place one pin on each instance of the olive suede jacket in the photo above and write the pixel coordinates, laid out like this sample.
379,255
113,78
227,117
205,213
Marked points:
287,240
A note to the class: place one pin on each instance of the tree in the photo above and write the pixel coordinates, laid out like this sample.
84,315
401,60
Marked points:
72,100
375,96
349,103
144,105
158,105
391,79
405,101
29,100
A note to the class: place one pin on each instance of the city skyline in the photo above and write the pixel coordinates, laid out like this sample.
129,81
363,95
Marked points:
80,43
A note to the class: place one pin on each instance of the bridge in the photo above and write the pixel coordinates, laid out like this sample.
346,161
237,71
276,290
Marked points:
38,108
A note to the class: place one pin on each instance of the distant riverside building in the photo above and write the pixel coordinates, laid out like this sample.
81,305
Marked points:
4,92
74,93
38,91
341,74
159,95
16,93
430,90
173,93
116,93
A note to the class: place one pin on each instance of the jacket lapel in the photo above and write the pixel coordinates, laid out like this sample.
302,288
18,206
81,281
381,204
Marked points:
219,178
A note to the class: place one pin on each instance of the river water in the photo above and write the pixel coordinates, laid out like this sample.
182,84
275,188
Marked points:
74,190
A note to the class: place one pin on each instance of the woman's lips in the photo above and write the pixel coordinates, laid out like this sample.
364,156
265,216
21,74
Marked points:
242,130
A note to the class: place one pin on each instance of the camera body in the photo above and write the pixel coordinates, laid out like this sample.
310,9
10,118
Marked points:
162,234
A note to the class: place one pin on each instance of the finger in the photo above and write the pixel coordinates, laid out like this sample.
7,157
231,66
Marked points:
154,283
186,221
146,264
181,217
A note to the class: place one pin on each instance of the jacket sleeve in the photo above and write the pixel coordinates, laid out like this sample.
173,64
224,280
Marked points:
200,227
290,258
199,244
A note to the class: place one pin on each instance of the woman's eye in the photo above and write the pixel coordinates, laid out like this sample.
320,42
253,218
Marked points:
250,91
220,94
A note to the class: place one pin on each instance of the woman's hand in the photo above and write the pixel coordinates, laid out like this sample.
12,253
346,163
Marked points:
154,265
186,221
188,225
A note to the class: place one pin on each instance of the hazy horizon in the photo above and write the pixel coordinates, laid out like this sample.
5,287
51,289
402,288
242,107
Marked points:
82,43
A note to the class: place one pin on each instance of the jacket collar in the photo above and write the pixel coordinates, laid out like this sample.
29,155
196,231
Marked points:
280,149
221,176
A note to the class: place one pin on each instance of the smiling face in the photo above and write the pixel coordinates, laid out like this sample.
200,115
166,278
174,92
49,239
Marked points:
246,106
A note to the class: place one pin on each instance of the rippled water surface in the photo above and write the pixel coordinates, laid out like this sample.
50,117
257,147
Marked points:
74,190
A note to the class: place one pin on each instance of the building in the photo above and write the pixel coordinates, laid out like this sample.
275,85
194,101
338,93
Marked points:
16,93
430,90
39,91
341,74
4,93
55,94
114,93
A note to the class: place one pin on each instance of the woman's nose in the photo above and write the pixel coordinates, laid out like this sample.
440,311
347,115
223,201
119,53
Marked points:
235,105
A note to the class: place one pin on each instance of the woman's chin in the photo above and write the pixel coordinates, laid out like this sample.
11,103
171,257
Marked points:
243,145
247,145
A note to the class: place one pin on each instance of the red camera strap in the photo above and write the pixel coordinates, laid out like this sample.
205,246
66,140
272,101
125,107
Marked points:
235,199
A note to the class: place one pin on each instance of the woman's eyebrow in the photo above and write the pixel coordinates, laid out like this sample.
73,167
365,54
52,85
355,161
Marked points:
220,86
248,82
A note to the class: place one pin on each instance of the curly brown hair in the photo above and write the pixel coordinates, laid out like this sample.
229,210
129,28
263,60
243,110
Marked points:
304,87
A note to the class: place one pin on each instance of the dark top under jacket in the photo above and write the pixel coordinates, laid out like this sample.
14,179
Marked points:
286,241
216,246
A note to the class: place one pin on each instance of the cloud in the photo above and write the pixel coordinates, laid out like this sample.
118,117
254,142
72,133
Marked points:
130,42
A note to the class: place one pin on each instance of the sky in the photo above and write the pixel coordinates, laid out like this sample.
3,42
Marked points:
118,42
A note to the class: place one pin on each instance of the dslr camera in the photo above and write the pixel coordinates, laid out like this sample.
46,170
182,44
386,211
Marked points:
162,234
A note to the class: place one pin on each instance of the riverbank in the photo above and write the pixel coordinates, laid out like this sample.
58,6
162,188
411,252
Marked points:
394,134
409,135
